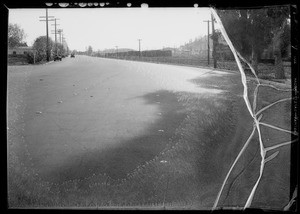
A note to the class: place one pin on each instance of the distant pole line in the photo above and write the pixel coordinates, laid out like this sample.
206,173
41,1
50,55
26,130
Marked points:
60,35
47,45
47,34
117,51
214,41
139,47
55,32
208,21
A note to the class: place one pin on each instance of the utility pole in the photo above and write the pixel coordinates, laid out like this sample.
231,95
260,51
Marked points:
64,40
139,48
65,45
214,41
55,32
62,43
208,21
117,51
47,34
60,35
60,40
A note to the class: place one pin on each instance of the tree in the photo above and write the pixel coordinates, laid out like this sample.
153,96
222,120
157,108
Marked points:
281,36
16,35
249,31
40,45
89,50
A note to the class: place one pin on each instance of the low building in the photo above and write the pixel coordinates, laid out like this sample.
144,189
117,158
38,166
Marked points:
19,56
20,50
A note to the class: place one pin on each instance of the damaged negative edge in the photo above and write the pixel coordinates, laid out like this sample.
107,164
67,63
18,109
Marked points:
263,149
294,157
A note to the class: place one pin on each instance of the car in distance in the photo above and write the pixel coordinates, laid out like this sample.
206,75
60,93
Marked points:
72,55
57,57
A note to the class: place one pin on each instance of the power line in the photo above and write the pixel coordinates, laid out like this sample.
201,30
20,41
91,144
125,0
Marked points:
208,21
55,32
60,35
47,34
214,54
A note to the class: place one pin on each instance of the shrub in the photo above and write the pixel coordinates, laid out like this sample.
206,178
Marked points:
30,58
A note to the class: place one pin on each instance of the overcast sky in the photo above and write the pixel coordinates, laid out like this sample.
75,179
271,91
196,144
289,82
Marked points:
105,28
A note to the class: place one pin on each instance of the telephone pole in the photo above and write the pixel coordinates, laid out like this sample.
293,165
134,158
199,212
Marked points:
208,21
47,34
64,45
139,48
117,51
58,48
63,39
214,41
60,35
55,32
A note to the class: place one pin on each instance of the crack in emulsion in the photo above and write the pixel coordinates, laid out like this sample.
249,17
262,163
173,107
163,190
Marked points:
256,119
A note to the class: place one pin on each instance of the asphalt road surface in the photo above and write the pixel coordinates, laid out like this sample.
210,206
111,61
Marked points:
82,105
87,115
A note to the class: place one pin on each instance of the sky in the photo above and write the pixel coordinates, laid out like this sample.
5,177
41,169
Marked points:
106,28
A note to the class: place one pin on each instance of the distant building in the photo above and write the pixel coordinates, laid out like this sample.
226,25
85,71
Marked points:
20,50
173,50
19,55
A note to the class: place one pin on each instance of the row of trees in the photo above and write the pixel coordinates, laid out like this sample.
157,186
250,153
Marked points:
16,36
40,45
253,31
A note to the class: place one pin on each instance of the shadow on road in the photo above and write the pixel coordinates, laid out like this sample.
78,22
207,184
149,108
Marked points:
117,162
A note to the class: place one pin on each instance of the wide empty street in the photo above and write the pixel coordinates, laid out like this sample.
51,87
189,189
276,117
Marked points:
87,116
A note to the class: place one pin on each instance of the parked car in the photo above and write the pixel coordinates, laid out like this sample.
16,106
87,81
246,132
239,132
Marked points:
57,57
72,55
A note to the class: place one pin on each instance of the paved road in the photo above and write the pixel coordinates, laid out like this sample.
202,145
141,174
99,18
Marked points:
88,115
87,112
